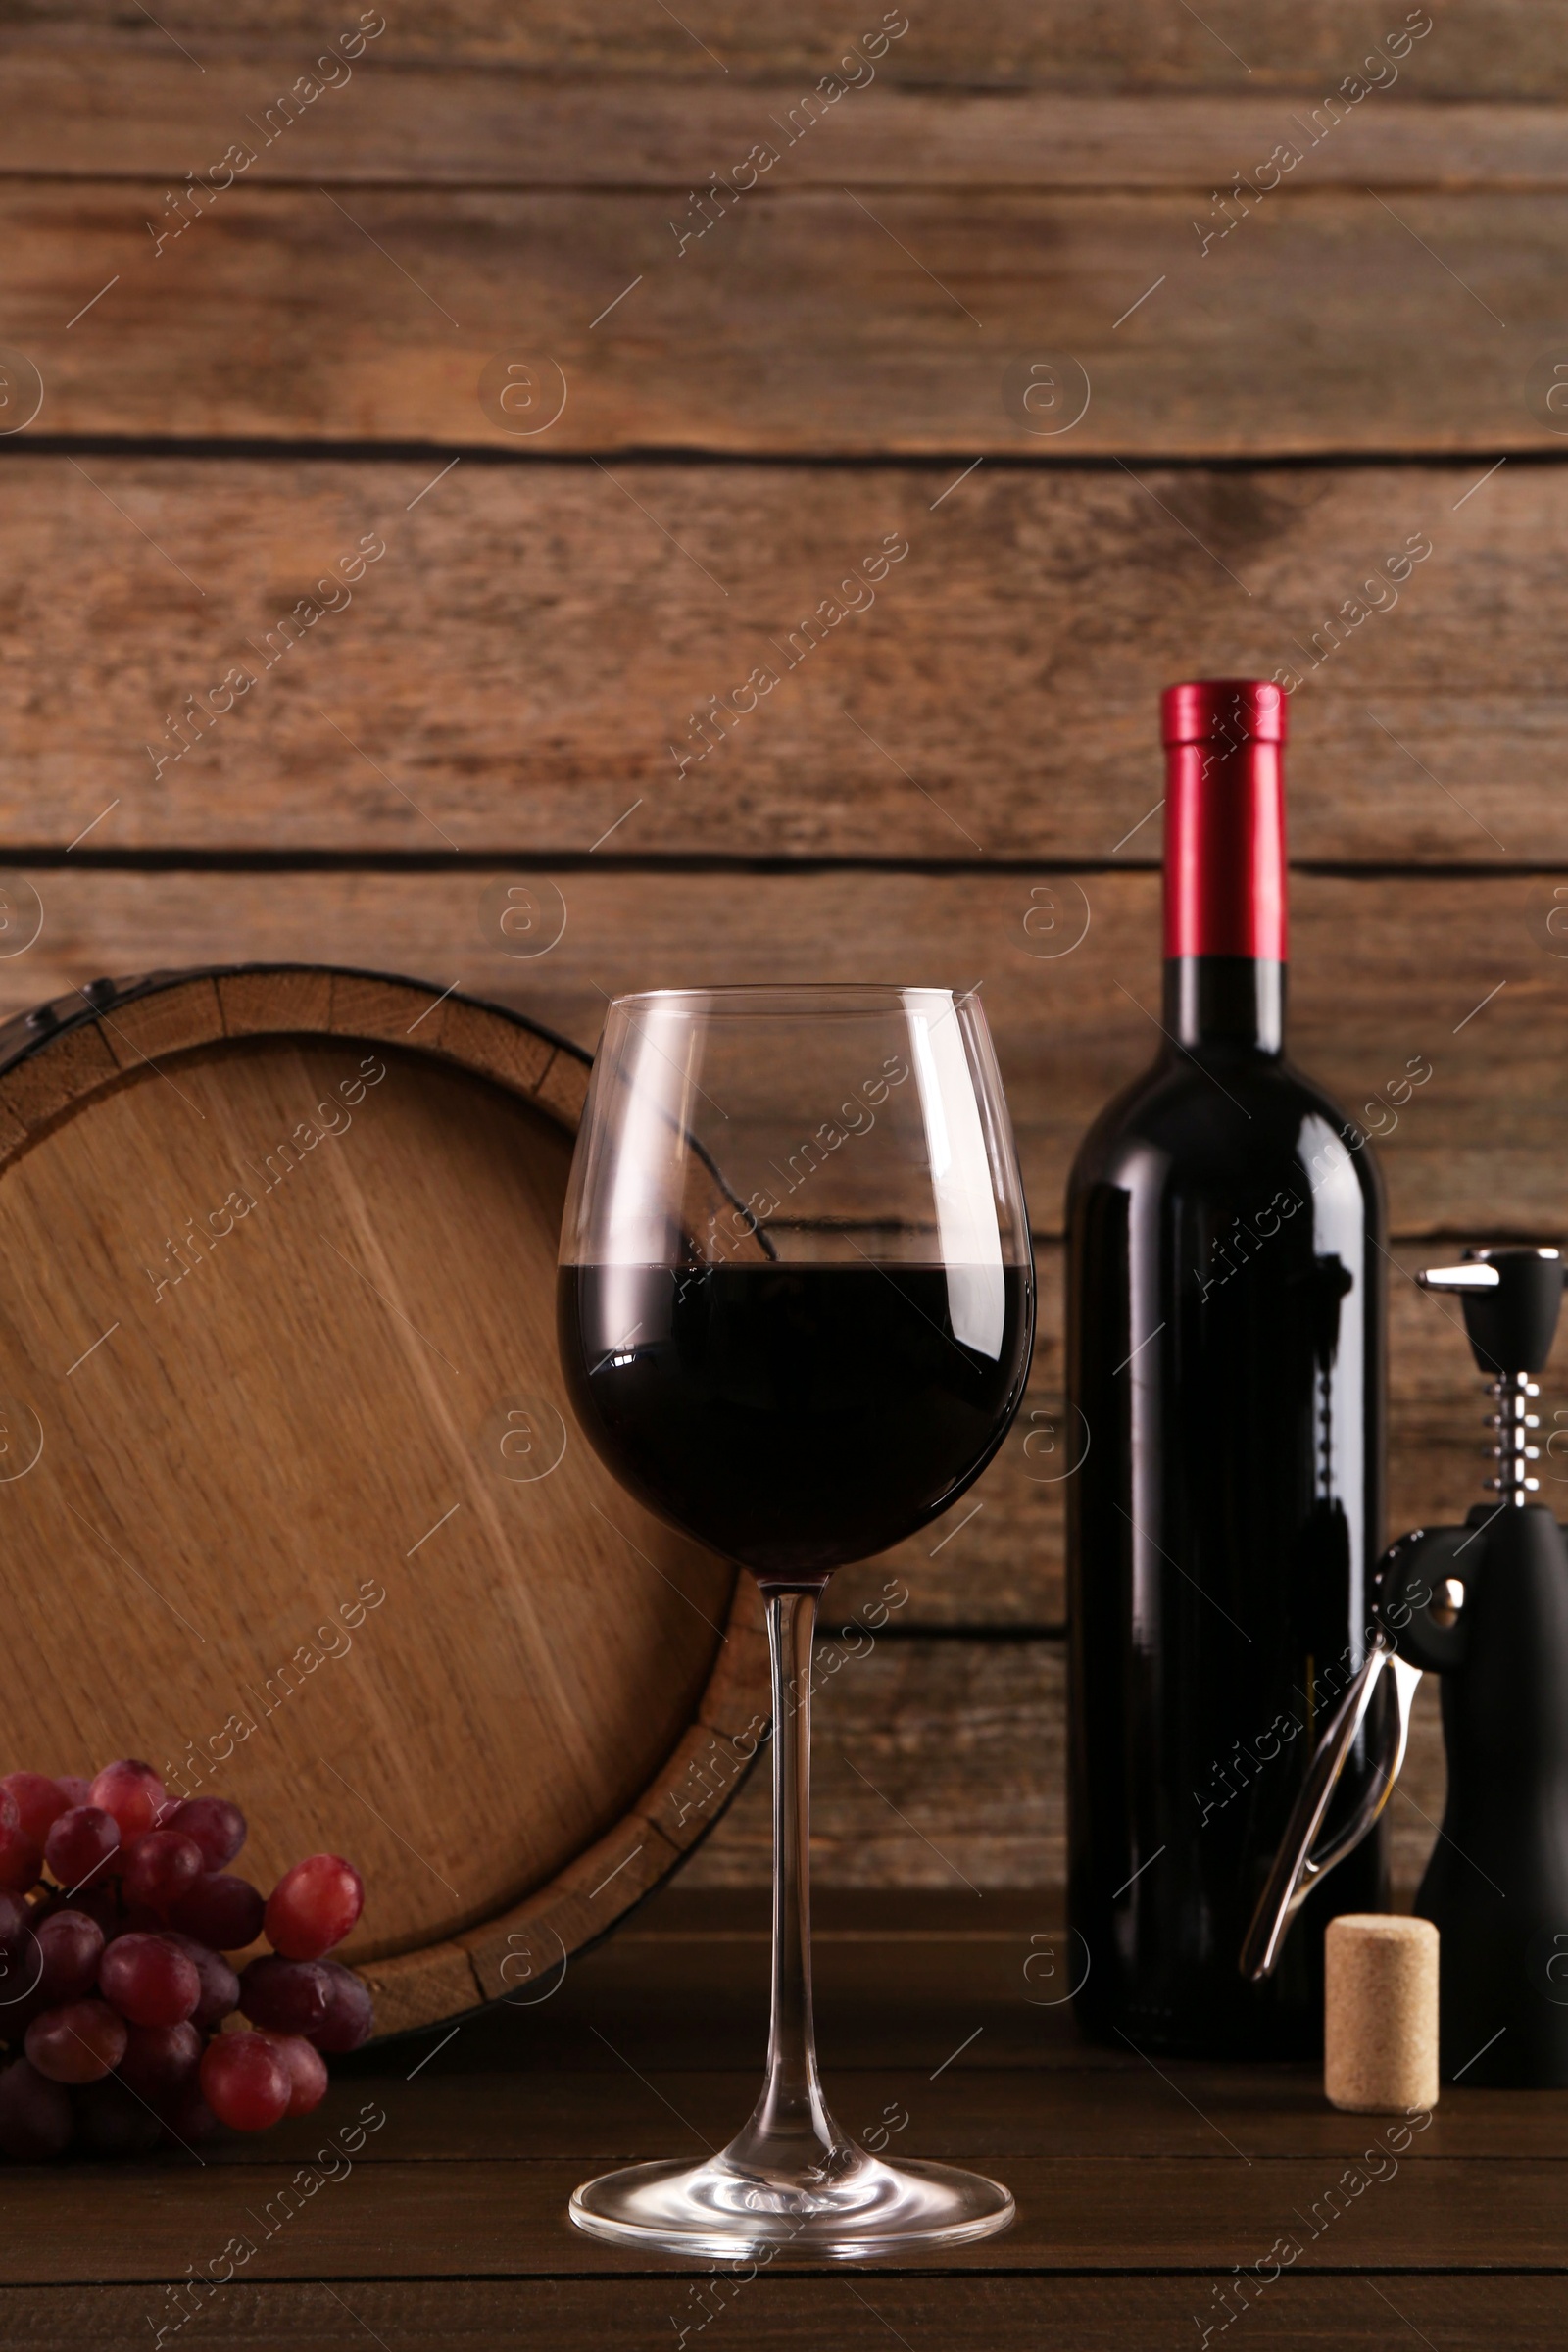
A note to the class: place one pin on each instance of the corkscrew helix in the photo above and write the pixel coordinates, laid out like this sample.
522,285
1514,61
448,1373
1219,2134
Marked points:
1510,1298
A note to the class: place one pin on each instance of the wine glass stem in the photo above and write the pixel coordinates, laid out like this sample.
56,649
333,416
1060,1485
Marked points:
791,2127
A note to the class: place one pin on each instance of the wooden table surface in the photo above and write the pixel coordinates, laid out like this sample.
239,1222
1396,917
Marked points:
425,2204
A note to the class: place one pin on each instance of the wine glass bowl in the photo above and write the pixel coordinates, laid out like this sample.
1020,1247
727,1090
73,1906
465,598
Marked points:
796,1307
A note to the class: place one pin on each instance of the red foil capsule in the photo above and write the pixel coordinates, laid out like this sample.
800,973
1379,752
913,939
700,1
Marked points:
1224,818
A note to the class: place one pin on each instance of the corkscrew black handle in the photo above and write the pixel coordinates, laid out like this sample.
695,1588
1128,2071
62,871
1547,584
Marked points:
1511,1300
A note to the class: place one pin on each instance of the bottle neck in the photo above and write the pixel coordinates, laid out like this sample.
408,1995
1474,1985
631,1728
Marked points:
1225,932
1230,1003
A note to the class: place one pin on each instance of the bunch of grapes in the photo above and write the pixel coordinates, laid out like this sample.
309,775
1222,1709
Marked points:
114,1991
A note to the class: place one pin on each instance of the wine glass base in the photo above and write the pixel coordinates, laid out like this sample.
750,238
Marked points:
719,2210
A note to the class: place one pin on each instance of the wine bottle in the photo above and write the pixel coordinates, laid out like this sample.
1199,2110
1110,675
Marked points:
1225,1307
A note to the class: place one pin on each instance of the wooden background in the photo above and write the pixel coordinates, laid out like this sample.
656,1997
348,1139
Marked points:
956,784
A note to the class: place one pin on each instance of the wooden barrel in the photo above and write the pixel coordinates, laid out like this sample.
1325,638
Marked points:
292,1502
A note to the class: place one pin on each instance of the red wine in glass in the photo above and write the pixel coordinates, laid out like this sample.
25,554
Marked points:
795,1306
793,1416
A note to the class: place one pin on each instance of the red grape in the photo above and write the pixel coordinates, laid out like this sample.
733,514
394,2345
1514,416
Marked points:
71,1945
80,1843
35,2114
285,1997
307,2072
38,1801
217,1825
111,2121
220,1984
245,2081
20,1859
221,1910
76,2044
160,2062
99,1898
74,1789
313,1906
159,1868
20,1966
350,2011
132,1792
149,1982
18,1960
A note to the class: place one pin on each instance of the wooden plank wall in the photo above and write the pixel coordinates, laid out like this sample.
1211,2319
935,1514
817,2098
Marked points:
1009,341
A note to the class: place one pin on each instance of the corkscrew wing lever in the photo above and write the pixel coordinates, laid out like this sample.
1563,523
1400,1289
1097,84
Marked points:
1300,1864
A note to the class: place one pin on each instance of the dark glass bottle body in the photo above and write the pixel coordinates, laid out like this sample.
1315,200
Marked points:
1225,1344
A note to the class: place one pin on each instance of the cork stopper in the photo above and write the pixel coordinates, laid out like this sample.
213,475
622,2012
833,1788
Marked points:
1380,2027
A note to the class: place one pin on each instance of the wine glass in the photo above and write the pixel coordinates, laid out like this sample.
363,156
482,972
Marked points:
795,1309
